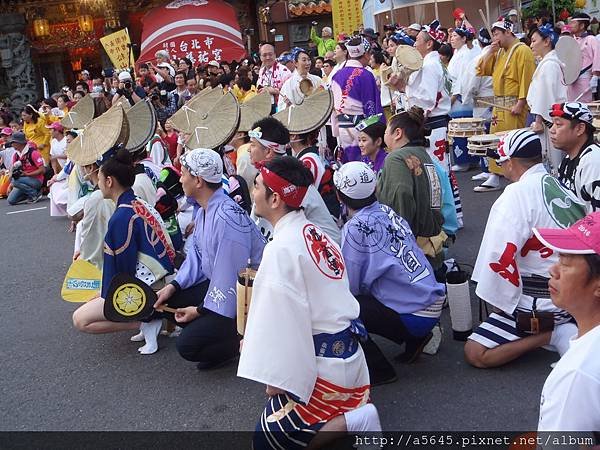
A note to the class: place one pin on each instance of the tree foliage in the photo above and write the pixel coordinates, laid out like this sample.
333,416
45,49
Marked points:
543,8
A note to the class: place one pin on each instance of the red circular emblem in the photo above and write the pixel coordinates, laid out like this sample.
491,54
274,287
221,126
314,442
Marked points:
324,254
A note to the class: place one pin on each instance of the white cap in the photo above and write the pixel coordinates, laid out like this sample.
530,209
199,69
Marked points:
512,12
124,76
164,65
214,63
204,163
356,180
415,26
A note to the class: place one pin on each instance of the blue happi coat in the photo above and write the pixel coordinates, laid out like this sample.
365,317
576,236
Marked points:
383,260
224,239
136,237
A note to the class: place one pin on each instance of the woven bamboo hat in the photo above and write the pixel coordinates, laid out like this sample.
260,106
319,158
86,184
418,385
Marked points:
104,132
409,57
216,126
308,116
255,109
200,104
81,114
142,125
123,102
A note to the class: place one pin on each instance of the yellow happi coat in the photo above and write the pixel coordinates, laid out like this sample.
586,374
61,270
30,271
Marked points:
511,71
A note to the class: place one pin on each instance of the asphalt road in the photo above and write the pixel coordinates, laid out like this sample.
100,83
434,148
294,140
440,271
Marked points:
55,378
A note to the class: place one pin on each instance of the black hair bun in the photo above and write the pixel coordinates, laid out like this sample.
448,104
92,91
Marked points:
124,157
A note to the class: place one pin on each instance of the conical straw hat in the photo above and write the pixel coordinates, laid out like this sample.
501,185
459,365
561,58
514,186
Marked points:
104,132
199,104
312,114
142,125
409,57
255,109
81,114
123,102
217,126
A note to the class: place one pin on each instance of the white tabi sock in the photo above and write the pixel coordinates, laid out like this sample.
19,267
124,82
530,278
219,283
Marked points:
561,337
363,419
150,331
493,180
137,337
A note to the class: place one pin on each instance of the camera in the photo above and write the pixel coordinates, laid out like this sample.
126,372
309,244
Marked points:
314,23
17,171
128,85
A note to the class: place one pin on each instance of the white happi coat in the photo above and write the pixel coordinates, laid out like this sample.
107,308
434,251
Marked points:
458,70
299,292
547,87
509,249
428,88
291,90
477,86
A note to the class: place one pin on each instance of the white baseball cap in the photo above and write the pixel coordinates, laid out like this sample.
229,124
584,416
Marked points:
204,163
356,180
124,76
214,63
415,27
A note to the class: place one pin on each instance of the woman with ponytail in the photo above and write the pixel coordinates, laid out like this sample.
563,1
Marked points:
136,243
409,182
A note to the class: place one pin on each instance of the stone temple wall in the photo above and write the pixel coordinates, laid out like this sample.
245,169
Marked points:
17,78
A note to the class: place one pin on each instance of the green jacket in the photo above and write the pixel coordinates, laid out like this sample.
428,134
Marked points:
323,45
408,183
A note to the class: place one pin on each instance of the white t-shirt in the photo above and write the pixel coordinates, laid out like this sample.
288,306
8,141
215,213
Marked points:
58,149
571,395
7,155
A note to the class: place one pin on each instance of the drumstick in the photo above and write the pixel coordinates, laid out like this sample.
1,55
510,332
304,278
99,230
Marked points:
485,21
166,309
494,105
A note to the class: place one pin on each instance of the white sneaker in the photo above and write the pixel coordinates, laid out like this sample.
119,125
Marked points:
481,176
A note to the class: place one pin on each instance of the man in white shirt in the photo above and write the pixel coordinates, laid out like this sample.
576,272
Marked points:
268,139
58,147
570,398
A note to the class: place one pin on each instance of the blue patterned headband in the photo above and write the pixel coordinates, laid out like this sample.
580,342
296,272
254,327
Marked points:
547,31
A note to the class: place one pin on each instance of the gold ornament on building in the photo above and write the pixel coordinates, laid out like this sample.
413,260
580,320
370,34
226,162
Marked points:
86,23
41,27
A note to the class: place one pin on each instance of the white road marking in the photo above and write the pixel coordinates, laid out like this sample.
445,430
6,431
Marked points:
26,210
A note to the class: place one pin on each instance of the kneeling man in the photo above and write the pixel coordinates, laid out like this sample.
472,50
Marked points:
512,268
303,331
389,274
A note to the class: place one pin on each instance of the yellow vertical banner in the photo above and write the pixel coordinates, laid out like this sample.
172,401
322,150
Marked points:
118,48
347,16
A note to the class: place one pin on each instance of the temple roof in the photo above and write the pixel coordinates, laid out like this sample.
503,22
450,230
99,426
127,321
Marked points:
309,7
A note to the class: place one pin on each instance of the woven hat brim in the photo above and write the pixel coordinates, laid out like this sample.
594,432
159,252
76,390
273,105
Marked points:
312,114
255,109
104,132
81,114
217,126
409,57
142,125
200,104
124,104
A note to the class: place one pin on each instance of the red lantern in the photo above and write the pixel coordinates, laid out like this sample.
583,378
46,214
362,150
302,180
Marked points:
564,14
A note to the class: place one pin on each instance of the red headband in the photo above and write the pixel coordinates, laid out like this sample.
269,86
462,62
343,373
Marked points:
291,194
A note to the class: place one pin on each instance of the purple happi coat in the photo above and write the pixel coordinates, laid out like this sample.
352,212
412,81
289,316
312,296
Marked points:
356,96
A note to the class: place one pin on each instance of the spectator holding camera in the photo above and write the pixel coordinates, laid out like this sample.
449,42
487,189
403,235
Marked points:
128,90
27,172
325,43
